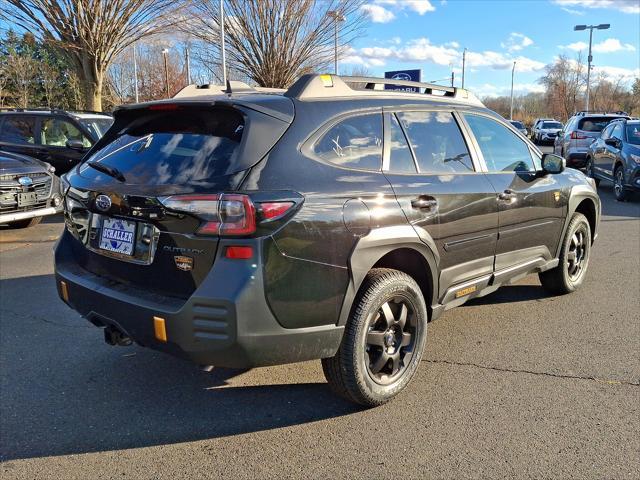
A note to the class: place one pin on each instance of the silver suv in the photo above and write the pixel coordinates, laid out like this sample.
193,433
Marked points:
546,131
580,131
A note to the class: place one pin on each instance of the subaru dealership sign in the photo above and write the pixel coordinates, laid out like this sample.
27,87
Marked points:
412,75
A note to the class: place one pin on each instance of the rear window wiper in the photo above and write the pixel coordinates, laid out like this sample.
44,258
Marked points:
111,171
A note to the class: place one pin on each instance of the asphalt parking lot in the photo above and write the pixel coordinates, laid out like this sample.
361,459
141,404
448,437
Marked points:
517,384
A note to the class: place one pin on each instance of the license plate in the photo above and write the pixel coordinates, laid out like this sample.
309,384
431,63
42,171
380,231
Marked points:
26,199
118,236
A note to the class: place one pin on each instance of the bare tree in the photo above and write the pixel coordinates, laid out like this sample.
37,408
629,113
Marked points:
273,42
565,81
92,32
23,72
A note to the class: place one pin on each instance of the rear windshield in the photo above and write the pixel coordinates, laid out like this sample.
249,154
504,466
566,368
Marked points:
175,147
551,125
594,124
517,124
633,133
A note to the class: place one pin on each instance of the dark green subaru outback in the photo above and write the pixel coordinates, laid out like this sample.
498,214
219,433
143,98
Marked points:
240,227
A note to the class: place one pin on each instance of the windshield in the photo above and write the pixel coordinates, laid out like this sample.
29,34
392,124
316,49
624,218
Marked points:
170,148
633,133
517,124
557,125
97,126
594,124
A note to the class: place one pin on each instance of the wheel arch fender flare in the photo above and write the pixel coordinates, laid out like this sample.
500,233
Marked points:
380,242
578,195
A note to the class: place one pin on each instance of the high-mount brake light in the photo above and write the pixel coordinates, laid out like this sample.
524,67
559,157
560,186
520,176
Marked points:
223,214
273,210
164,107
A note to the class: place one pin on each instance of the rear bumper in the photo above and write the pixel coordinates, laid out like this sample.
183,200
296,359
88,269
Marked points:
226,322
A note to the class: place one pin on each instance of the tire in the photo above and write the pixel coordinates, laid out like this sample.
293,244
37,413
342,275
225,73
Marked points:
383,341
29,222
618,184
569,275
589,171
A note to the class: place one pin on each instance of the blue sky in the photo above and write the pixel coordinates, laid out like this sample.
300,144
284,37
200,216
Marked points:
431,35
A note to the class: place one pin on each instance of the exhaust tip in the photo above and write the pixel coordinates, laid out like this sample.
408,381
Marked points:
114,336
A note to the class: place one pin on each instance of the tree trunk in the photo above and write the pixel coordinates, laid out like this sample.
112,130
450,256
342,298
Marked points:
93,94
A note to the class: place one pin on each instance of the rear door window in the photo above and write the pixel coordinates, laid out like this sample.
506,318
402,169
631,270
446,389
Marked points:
175,147
355,142
400,157
19,129
437,142
503,150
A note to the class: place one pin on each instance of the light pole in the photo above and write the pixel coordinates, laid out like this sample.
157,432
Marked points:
337,17
165,51
188,60
464,58
513,71
135,73
602,26
222,48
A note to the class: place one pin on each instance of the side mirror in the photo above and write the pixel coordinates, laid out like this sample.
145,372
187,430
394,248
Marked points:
75,145
553,163
613,142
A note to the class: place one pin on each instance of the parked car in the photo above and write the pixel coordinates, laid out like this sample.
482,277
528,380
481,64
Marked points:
520,127
536,122
580,130
54,136
28,190
615,156
251,229
546,131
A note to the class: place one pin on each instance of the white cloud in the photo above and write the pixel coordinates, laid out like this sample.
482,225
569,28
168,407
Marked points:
609,45
516,42
615,73
419,6
573,11
490,90
626,6
378,14
499,61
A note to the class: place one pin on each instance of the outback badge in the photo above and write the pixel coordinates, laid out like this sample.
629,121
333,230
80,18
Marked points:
184,263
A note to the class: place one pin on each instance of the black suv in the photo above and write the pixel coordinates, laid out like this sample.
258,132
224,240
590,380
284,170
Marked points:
615,156
57,137
247,229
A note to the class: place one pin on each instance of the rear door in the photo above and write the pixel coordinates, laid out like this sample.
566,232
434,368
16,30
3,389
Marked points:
442,193
532,205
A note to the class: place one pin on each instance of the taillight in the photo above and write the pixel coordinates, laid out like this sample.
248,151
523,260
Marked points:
577,136
224,214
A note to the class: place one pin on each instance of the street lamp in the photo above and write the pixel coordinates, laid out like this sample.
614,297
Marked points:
222,47
602,26
337,17
464,58
513,71
165,51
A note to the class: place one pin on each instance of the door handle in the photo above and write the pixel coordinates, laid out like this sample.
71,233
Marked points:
506,195
422,203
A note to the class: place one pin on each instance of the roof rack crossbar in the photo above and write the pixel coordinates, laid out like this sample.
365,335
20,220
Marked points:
371,82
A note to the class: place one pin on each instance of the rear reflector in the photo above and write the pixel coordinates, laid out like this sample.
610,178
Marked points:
239,252
160,329
64,291
272,210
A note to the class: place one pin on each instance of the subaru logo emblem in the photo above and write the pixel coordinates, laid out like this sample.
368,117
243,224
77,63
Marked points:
25,181
103,202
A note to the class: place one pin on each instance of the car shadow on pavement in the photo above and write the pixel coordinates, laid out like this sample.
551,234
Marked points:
511,294
611,207
65,392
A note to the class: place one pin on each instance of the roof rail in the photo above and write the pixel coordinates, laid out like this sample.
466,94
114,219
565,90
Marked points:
52,110
331,86
232,86
601,112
